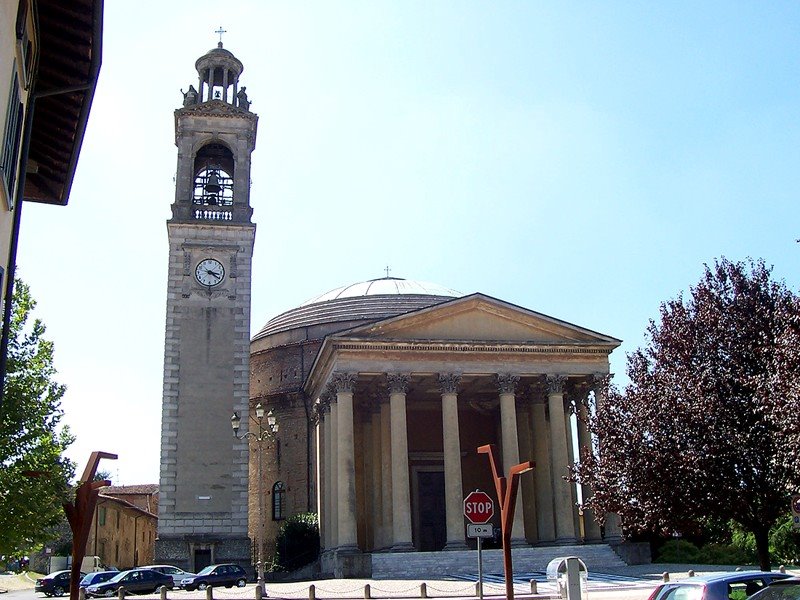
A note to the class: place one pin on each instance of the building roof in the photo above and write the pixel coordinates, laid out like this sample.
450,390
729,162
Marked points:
118,490
364,301
70,49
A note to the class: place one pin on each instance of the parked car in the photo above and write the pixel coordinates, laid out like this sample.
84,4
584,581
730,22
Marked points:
54,584
717,586
134,581
780,589
216,575
97,577
177,574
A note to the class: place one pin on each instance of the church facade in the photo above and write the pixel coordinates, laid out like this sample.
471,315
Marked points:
385,389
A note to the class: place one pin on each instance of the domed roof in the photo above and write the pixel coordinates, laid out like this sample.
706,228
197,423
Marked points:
371,300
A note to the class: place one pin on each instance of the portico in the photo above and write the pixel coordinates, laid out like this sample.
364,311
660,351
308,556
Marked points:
402,405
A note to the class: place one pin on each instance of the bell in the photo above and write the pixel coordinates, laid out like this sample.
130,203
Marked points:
211,199
212,185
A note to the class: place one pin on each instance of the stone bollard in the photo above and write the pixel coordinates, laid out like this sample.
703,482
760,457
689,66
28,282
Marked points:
367,590
120,593
738,569
163,592
534,587
782,568
478,588
691,572
81,593
312,592
665,577
423,590
210,593
259,591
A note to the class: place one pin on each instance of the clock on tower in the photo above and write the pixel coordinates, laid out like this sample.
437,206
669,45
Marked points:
204,470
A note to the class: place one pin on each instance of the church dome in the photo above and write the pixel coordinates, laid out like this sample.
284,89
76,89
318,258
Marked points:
361,302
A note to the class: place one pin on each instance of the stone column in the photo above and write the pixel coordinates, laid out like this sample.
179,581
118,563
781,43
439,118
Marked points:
377,479
326,474
590,525
506,385
565,525
542,478
225,85
386,467
345,458
401,493
453,487
573,487
333,490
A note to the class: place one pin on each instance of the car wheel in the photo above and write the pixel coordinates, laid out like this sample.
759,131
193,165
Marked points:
58,591
108,593
202,585
241,583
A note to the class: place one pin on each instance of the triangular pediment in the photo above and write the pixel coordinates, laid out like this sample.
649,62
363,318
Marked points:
479,318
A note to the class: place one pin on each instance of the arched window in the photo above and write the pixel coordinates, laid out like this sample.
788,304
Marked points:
278,501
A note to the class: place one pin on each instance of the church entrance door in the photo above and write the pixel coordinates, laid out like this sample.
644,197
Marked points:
432,527
202,558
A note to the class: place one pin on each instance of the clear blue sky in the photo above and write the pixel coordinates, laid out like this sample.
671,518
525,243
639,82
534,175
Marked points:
581,159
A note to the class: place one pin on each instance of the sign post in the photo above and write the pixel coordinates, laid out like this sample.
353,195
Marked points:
479,508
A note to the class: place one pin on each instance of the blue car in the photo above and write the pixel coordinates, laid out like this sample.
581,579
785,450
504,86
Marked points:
738,585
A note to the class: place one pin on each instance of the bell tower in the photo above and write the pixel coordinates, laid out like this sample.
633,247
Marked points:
204,469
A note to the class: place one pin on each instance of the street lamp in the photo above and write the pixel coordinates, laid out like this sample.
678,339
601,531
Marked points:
264,433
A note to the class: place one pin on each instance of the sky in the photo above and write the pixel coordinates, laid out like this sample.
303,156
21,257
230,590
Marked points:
581,159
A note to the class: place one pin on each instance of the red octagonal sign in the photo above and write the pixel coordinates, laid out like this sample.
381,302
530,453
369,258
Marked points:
478,507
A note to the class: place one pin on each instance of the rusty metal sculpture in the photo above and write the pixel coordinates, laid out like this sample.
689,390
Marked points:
80,515
507,497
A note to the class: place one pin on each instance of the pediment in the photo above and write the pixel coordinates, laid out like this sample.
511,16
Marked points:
479,318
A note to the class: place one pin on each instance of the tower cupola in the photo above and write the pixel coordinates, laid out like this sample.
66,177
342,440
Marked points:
218,71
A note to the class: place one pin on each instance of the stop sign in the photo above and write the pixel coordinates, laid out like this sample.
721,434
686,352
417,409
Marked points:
478,507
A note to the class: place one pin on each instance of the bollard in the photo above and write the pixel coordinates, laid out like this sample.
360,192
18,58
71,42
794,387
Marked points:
210,593
367,592
478,588
782,568
163,592
423,590
738,569
312,592
534,587
665,577
121,593
691,572
81,593
259,591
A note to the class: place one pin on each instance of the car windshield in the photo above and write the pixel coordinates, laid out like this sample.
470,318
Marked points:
118,576
681,592
780,592
206,570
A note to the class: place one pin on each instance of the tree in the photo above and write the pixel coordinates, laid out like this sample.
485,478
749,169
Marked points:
34,478
709,425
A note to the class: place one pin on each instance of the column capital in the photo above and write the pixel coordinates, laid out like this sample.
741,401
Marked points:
555,384
506,382
449,382
398,382
344,382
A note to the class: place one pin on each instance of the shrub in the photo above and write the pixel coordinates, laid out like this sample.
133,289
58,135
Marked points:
678,551
784,542
723,554
297,543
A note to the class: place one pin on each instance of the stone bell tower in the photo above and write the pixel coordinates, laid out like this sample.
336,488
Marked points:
203,485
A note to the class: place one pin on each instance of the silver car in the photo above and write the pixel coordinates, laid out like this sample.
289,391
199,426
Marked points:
174,572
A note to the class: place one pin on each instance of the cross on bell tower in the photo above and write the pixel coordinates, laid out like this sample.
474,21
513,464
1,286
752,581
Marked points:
204,474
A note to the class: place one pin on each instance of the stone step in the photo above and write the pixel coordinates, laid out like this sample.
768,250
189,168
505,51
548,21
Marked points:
404,565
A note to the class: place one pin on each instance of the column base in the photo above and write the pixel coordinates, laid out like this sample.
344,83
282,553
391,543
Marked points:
403,547
348,549
566,541
456,545
519,543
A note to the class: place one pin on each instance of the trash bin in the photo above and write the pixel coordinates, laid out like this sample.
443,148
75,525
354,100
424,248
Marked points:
570,575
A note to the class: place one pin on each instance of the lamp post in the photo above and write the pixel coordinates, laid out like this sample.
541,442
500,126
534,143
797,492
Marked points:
264,433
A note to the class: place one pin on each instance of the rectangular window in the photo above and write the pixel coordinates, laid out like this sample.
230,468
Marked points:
9,151
101,515
24,44
118,519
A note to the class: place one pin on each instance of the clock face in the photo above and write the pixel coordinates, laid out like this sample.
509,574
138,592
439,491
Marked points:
209,272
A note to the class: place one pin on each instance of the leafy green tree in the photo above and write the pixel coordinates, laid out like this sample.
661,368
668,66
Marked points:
709,426
34,478
297,543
